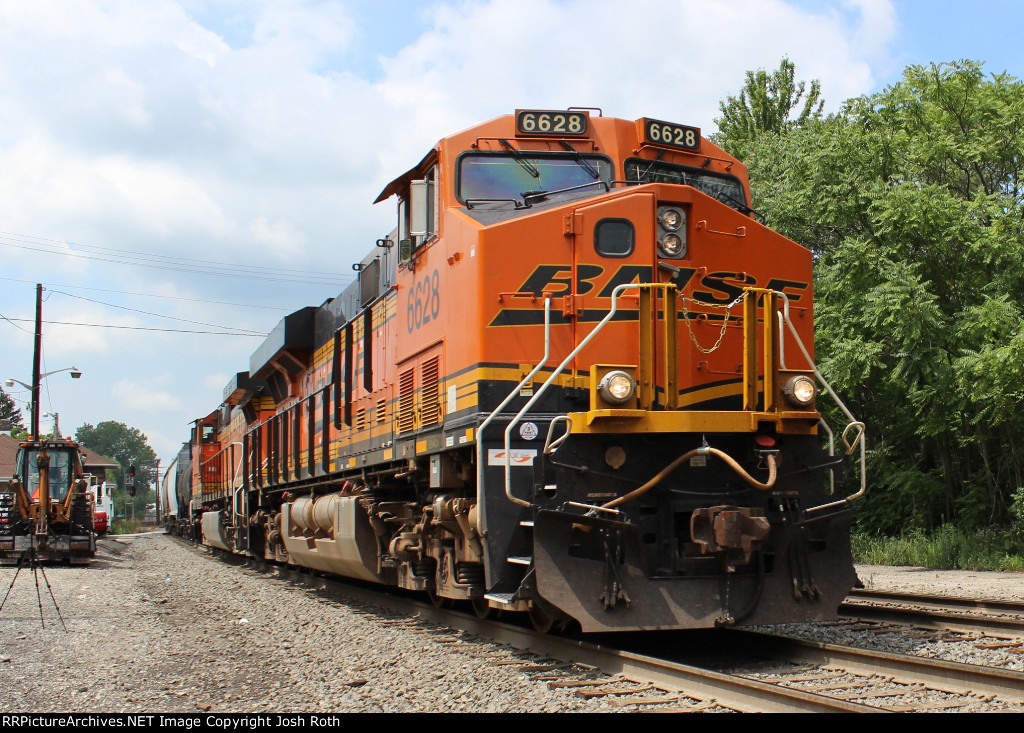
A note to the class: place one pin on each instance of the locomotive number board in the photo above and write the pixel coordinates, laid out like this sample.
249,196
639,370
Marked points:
551,123
669,134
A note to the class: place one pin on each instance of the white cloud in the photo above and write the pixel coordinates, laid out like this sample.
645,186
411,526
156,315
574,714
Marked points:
144,396
878,27
215,381
491,57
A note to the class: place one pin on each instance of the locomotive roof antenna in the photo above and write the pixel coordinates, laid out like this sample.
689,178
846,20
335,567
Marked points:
37,568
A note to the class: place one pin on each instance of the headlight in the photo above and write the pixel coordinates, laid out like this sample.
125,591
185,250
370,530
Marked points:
671,219
616,387
671,245
671,232
800,391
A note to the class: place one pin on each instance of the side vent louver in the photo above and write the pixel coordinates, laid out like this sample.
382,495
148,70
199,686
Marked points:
406,401
431,393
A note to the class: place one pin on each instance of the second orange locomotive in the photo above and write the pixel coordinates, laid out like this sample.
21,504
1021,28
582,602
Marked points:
577,380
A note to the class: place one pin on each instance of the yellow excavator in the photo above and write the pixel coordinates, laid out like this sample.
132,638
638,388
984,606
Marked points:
46,511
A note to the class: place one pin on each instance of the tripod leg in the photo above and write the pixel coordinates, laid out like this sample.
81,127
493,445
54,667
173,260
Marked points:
39,598
52,598
21,562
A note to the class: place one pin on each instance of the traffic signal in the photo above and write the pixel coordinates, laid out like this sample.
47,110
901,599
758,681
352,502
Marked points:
131,471
131,489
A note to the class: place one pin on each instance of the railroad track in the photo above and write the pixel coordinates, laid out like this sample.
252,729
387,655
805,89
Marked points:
895,682
997,619
790,675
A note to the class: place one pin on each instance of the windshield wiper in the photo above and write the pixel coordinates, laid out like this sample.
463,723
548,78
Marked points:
641,176
579,160
527,165
470,203
728,198
527,195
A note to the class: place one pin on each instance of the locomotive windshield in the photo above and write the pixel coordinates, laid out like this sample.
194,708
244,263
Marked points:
527,178
725,188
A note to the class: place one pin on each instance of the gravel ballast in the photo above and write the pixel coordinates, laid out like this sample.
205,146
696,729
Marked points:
154,626
161,628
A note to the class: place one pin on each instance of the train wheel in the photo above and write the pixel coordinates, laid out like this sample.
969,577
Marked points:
481,607
540,619
438,601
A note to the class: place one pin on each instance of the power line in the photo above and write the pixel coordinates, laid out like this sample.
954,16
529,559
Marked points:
167,268
144,328
51,286
168,263
15,324
160,315
170,258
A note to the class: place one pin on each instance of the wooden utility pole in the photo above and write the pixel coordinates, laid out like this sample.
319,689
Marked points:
156,507
36,356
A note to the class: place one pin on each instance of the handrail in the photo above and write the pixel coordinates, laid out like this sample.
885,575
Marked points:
511,395
861,436
543,388
831,453
232,487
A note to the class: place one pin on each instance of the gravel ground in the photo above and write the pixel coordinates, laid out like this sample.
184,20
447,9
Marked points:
155,627
963,583
159,628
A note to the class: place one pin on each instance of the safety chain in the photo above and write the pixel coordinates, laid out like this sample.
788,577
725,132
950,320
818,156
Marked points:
725,322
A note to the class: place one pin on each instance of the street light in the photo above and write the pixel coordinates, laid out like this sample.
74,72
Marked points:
56,423
75,374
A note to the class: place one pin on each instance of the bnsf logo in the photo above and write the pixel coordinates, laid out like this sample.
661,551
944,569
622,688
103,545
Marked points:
715,288
710,287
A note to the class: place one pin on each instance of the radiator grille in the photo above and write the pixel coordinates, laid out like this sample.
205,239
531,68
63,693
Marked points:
406,401
430,411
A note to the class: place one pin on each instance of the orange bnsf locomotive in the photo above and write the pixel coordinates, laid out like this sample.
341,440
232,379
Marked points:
577,381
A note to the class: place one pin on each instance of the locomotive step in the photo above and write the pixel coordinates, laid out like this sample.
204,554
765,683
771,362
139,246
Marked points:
504,598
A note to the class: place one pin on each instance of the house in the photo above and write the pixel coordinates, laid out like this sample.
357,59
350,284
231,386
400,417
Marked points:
93,462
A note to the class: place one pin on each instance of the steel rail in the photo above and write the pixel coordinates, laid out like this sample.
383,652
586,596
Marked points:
941,603
956,677
938,612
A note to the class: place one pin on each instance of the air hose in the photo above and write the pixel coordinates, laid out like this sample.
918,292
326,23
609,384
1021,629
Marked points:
703,451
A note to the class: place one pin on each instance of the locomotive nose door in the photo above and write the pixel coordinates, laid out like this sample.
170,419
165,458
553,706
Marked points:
613,244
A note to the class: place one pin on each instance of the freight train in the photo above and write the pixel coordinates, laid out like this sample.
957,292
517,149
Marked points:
576,381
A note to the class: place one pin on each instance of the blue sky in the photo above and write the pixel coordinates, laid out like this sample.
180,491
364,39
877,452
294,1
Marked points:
149,150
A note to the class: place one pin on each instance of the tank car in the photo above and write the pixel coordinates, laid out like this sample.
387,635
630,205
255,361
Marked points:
576,381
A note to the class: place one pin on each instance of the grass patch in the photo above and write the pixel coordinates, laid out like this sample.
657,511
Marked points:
127,526
947,548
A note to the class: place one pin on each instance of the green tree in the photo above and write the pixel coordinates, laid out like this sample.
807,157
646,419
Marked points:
912,202
10,411
766,105
129,447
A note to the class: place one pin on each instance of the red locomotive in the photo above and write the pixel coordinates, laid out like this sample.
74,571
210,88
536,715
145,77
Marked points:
577,380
